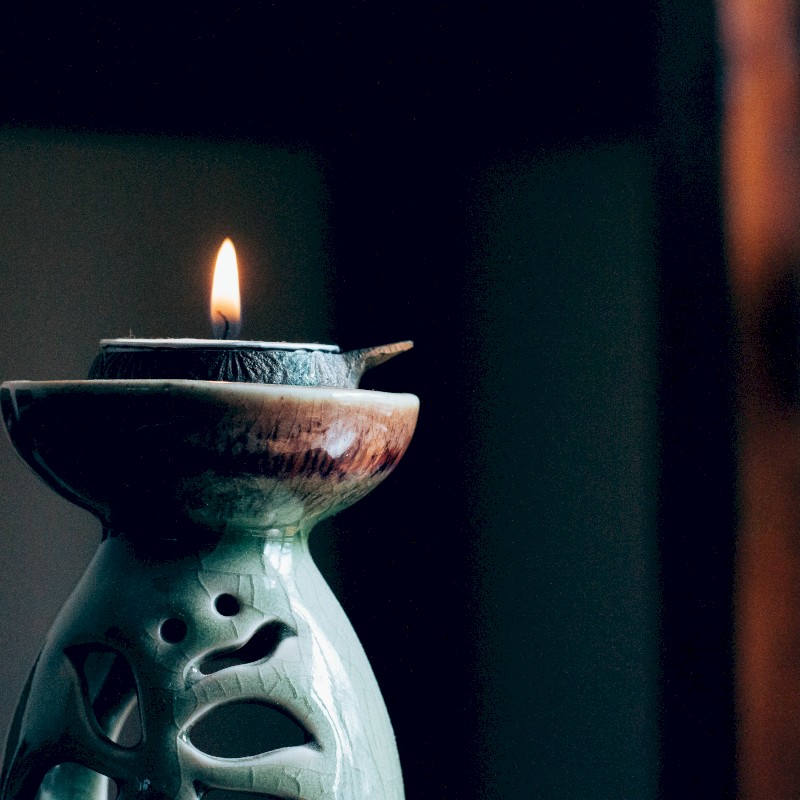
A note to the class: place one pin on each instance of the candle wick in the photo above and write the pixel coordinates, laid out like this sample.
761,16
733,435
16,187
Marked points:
227,326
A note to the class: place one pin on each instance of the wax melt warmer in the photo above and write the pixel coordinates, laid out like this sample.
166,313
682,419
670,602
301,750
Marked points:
203,594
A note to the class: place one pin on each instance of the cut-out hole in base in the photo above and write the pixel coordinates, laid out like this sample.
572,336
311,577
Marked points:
75,780
228,794
130,733
109,691
242,728
227,605
173,630
261,645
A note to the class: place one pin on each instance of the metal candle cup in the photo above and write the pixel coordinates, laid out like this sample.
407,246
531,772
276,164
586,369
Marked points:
284,363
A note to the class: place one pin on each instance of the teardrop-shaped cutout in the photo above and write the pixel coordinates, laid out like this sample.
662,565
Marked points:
109,691
245,728
259,647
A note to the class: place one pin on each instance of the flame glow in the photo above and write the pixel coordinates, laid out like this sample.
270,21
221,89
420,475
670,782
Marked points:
226,307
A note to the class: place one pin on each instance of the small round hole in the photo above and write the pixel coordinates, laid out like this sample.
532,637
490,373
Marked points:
173,630
227,605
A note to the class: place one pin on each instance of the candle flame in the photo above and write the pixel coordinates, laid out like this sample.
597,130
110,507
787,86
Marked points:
226,308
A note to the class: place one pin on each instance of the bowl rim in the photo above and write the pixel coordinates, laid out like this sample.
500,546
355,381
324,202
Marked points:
232,389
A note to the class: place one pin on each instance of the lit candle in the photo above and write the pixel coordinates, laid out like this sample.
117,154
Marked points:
226,304
231,359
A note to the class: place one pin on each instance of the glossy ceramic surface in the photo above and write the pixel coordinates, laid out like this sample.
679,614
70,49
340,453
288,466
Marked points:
225,456
203,593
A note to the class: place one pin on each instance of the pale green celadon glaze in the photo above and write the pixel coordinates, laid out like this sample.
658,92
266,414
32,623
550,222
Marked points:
149,603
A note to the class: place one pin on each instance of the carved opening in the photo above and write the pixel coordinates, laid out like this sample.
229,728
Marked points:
109,692
261,645
130,734
227,794
246,728
173,630
75,780
227,605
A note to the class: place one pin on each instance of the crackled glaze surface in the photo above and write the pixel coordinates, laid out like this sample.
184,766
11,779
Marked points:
224,455
151,597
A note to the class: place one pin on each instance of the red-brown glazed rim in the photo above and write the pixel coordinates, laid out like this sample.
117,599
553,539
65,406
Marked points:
161,455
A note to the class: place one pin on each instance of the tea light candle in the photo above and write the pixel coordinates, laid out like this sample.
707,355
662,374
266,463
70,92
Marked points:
224,359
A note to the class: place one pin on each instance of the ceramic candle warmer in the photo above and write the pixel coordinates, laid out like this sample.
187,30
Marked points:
202,593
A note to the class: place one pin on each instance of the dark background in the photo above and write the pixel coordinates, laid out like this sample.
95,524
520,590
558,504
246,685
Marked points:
530,192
